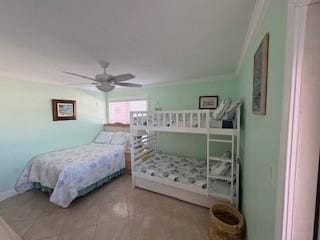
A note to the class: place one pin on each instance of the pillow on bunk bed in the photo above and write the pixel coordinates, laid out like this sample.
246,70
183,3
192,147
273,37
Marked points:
104,137
120,138
221,109
230,113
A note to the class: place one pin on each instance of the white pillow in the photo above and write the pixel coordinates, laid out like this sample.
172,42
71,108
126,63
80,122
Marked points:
120,138
230,113
220,111
104,137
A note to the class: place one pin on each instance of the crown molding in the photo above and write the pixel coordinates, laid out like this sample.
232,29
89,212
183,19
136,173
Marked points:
19,77
13,76
302,3
228,76
258,14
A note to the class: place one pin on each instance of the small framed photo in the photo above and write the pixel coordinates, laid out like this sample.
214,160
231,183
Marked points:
64,110
260,78
208,102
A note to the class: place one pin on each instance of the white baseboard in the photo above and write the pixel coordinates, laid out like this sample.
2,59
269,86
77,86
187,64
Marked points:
7,194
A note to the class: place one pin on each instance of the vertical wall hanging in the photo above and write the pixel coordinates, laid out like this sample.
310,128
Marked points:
260,78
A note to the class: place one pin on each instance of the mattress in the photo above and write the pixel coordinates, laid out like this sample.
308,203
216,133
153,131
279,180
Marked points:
175,168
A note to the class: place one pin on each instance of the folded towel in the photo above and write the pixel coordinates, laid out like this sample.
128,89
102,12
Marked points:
220,169
201,183
173,177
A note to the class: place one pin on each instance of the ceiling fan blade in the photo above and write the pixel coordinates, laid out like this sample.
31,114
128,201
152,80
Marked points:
127,84
105,87
79,75
122,77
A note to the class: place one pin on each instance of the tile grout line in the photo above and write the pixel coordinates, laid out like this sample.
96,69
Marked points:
127,202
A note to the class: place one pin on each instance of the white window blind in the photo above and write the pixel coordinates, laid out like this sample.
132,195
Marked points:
119,111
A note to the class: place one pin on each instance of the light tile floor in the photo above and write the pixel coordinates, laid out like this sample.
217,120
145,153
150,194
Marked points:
115,211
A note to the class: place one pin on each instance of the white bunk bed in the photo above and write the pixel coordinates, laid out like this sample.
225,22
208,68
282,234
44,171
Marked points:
144,127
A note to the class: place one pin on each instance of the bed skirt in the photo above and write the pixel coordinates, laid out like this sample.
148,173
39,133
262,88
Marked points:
86,190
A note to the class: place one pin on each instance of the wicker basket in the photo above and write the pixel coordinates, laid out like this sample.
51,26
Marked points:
225,223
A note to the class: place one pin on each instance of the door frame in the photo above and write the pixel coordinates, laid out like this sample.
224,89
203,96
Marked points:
296,26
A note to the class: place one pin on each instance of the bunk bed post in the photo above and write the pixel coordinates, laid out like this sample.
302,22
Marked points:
132,147
238,131
238,118
208,149
232,169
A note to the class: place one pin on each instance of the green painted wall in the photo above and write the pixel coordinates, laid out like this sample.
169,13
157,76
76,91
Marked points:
27,129
181,97
261,134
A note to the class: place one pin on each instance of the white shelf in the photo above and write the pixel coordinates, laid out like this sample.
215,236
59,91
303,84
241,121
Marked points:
223,131
223,178
220,140
220,159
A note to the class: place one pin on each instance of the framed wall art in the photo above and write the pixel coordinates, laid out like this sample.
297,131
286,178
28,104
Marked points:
64,110
260,78
208,102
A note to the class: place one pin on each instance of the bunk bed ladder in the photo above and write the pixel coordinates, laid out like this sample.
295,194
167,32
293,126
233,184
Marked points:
233,192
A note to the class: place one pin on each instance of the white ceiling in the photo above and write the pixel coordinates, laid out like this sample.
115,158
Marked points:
156,40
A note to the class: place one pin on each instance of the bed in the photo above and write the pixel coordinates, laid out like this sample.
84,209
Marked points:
202,182
181,169
69,173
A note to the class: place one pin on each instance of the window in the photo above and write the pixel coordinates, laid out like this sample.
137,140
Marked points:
119,111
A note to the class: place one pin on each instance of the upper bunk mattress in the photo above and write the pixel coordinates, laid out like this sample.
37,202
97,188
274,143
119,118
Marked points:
70,170
179,169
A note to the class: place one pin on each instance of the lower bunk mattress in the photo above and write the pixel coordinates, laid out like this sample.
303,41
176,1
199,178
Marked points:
175,168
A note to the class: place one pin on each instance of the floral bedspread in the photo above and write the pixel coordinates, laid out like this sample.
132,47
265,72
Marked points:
70,170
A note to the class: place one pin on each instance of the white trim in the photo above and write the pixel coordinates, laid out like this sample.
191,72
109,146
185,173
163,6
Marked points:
227,76
300,3
296,23
258,14
8,194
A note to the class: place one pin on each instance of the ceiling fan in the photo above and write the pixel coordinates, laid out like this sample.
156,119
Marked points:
106,82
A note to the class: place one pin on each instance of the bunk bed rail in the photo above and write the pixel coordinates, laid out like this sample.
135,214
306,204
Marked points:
182,121
187,121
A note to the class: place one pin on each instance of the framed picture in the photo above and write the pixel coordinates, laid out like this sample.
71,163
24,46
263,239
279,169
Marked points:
260,78
63,110
208,102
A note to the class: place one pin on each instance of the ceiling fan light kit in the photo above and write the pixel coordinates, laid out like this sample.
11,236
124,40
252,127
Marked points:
106,82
